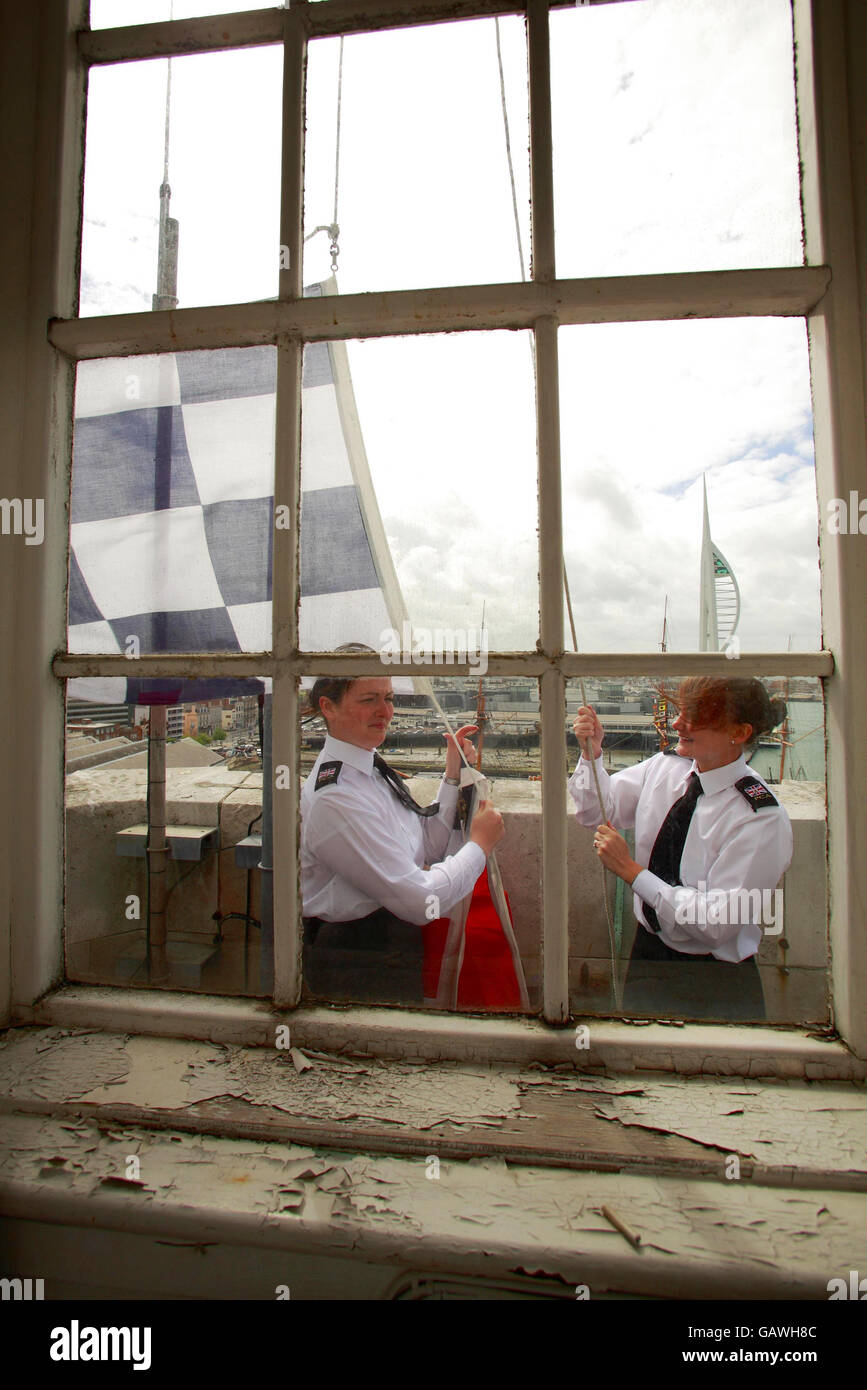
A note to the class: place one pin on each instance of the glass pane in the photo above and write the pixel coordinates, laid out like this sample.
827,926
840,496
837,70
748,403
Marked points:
399,908
207,928
652,414
221,217
424,193
172,503
418,514
742,932
675,137
108,14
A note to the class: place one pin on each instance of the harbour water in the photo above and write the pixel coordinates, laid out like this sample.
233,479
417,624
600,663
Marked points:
416,746
805,754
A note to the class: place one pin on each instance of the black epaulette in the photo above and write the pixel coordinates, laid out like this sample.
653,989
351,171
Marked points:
670,752
328,773
756,792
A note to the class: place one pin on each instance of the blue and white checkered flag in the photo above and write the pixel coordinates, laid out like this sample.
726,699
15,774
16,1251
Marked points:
172,514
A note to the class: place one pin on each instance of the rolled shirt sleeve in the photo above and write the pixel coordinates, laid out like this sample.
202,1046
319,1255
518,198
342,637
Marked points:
437,830
620,793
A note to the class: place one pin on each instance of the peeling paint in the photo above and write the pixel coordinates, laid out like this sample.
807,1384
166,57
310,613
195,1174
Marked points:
337,1090
511,1215
790,1123
59,1064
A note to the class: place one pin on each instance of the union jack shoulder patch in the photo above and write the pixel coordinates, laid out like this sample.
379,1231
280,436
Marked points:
756,792
328,773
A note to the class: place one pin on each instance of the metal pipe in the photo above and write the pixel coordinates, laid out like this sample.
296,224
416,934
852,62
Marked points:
157,848
266,864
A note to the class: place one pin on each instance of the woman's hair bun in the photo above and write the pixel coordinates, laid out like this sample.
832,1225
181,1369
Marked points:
776,712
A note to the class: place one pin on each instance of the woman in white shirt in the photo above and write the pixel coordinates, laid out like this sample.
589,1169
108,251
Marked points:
374,868
711,844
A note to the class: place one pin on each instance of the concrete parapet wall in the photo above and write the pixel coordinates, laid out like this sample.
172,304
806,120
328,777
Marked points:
101,802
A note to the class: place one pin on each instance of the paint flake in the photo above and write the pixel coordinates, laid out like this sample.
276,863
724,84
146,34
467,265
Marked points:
419,1099
787,1123
299,1061
60,1066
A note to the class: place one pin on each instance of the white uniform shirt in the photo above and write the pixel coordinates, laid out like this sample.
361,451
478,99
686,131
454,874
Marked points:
362,850
729,848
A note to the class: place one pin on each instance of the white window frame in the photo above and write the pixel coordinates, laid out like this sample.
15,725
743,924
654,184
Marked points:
827,289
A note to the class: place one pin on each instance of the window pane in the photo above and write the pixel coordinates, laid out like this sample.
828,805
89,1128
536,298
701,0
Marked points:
106,14
397,909
210,936
223,173
419,506
675,141
727,895
424,192
650,414
172,503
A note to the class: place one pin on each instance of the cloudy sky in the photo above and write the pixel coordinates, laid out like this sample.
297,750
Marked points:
675,149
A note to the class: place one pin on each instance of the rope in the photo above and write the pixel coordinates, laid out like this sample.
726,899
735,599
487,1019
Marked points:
332,228
168,107
508,151
168,103
337,135
531,339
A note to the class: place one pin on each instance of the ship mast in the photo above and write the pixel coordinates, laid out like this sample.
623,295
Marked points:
784,731
481,717
660,709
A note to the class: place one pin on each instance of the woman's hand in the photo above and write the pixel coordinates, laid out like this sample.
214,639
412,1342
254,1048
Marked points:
487,828
614,853
587,726
453,757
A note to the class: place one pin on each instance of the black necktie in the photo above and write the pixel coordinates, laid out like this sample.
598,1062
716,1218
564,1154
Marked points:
400,791
668,847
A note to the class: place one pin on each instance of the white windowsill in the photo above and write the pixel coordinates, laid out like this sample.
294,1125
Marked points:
615,1046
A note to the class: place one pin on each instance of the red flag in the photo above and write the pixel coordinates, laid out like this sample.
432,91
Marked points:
487,979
